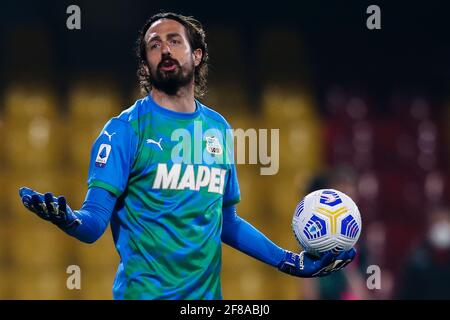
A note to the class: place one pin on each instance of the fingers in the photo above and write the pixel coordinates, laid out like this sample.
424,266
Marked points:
63,212
62,208
46,206
345,258
351,253
38,206
49,203
26,200
327,259
62,204
56,207
52,208
333,262
25,191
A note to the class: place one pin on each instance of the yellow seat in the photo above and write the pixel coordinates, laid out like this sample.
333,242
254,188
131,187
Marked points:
4,201
38,283
5,261
96,284
101,255
283,102
229,98
39,244
242,276
2,144
34,136
54,181
90,108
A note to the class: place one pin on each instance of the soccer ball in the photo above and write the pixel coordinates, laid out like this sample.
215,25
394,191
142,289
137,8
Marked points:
326,220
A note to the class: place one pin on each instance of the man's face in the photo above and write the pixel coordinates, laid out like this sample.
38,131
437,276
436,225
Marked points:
169,55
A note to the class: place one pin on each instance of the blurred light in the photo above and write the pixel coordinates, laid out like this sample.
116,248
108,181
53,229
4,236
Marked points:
419,109
368,186
434,186
39,132
356,108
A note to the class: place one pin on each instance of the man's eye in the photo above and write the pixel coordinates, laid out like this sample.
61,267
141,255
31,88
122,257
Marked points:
175,41
155,45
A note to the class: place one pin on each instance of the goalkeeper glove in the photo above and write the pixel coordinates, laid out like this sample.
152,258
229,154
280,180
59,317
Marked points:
49,208
306,265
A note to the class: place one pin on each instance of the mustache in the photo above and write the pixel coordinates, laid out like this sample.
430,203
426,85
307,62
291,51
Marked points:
166,60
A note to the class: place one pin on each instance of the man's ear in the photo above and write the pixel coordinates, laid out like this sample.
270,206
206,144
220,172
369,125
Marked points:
198,55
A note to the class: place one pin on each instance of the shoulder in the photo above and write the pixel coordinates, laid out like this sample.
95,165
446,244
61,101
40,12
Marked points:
133,112
215,116
130,116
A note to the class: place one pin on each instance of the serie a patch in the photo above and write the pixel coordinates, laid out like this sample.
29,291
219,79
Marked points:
102,155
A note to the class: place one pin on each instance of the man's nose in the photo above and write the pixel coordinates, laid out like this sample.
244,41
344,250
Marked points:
165,48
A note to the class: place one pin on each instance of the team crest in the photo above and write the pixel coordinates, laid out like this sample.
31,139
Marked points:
213,146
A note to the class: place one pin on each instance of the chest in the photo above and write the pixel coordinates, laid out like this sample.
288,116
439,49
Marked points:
187,156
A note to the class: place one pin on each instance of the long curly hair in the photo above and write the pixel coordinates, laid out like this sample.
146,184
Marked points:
197,40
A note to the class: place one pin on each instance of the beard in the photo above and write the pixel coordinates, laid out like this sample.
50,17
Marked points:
170,81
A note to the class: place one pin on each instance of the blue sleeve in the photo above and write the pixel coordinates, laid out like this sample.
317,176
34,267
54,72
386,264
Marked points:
241,235
112,157
232,194
94,215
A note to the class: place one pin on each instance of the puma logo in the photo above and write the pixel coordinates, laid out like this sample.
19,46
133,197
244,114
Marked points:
154,142
109,135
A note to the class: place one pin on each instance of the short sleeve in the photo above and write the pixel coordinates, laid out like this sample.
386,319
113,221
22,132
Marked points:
112,157
232,194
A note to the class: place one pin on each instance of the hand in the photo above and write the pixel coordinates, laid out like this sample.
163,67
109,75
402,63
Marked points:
49,208
306,265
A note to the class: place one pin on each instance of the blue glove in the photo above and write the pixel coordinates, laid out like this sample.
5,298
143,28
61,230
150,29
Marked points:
49,208
305,265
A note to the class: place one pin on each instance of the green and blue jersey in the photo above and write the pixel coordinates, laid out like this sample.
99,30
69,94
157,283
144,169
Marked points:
172,174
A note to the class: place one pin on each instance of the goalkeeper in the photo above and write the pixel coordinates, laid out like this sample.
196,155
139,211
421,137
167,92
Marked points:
169,215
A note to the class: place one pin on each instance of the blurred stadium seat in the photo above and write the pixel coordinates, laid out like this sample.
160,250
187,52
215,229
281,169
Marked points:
2,141
90,107
293,112
31,127
44,180
101,256
236,104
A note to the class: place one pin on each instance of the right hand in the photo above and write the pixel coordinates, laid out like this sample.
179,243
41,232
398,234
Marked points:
49,208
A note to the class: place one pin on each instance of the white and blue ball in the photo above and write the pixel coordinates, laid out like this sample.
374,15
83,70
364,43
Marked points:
326,220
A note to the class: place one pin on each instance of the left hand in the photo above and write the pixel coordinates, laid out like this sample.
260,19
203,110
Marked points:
306,265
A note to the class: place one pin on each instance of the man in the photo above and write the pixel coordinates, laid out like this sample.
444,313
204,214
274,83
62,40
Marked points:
425,274
170,203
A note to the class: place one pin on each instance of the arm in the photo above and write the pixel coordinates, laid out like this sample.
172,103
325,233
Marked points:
239,234
110,165
86,224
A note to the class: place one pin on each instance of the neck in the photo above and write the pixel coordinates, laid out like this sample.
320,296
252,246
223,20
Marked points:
182,101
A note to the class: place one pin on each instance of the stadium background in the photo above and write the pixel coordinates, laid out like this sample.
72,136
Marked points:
373,102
